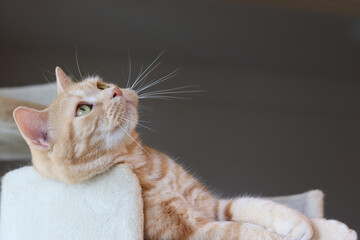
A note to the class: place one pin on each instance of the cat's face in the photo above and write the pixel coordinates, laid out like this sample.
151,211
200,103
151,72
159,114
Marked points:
88,120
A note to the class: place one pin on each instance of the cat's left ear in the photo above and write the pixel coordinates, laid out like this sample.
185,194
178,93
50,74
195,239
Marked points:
62,80
33,125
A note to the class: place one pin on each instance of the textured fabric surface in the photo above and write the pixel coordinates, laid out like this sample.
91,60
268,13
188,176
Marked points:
36,208
310,203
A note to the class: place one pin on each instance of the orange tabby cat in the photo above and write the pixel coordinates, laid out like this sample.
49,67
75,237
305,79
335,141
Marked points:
90,127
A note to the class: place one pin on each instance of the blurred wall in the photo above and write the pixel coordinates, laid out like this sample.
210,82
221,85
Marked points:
280,114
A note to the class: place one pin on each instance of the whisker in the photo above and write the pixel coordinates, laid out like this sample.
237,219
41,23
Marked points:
171,91
129,71
145,108
72,75
43,69
142,78
163,97
50,83
138,124
77,62
139,77
126,116
132,138
140,72
164,93
176,88
98,67
162,79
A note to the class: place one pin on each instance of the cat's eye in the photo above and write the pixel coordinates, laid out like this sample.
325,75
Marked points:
102,86
83,109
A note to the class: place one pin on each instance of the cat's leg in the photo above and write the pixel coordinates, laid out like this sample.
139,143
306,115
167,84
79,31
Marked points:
280,219
284,221
331,230
233,231
174,218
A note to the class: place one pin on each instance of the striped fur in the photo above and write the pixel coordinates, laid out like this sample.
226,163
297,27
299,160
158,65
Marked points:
176,205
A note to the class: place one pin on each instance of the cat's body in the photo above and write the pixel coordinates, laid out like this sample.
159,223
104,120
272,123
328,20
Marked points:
91,127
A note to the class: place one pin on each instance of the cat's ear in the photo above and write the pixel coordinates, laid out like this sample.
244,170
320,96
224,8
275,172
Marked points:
33,125
62,80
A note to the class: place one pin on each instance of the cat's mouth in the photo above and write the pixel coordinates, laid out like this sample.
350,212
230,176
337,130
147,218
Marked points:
130,97
131,103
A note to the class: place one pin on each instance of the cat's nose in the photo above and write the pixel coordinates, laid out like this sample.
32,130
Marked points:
116,92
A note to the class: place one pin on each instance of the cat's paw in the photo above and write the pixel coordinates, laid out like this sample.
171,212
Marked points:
292,225
332,230
251,231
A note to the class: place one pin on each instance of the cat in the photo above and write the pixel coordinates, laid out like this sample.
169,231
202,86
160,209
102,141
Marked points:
90,128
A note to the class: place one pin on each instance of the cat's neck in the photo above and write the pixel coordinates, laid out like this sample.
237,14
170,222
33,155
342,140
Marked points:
131,151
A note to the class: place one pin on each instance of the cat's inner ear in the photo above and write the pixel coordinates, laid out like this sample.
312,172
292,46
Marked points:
33,125
62,80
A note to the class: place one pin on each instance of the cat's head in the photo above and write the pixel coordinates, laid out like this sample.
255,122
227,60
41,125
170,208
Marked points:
81,133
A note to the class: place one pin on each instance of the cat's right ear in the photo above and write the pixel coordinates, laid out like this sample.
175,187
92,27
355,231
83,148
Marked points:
33,125
62,80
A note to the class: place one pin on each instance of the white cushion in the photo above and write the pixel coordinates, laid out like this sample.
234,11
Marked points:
108,206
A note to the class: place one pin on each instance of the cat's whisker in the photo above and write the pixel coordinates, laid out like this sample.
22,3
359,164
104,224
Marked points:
43,69
126,116
140,76
72,75
50,83
129,72
162,79
98,68
165,92
77,62
143,82
108,136
145,107
140,80
132,138
163,97
171,89
140,72
138,124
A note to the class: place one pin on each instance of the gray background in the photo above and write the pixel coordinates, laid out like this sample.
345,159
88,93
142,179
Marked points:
280,114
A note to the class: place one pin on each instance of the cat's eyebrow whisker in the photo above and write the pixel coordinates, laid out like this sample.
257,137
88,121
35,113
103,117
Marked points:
132,138
160,80
43,69
51,84
77,62
72,75
140,76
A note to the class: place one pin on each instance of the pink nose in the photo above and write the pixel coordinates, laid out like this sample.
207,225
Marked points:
117,92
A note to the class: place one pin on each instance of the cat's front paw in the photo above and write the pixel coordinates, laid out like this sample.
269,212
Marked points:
292,225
